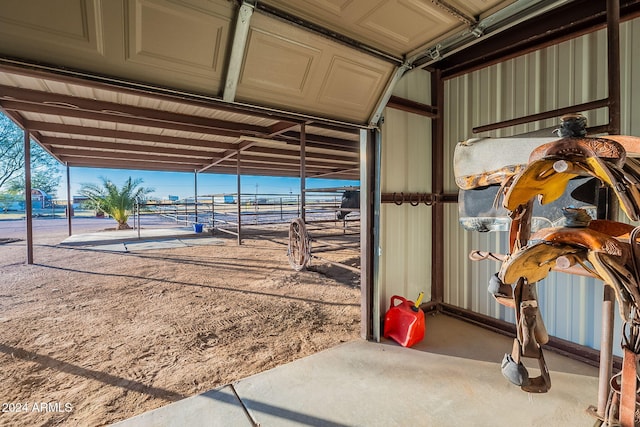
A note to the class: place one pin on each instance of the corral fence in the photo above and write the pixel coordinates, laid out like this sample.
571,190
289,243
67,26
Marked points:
56,208
223,212
316,233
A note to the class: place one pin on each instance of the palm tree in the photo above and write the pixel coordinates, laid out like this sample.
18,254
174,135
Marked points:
116,202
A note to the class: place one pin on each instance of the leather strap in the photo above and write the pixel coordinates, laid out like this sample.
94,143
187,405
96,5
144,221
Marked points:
628,389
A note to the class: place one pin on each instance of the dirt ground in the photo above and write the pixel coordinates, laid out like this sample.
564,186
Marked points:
90,337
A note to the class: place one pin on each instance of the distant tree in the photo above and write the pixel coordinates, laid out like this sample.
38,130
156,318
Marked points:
45,180
45,169
6,201
117,202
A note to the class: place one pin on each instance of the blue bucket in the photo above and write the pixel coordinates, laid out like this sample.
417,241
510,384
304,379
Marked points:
197,228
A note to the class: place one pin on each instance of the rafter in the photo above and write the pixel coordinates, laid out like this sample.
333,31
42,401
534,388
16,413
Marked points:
112,117
74,103
114,135
230,153
109,154
309,154
126,135
49,141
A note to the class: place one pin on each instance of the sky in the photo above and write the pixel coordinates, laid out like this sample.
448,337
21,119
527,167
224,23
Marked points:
181,184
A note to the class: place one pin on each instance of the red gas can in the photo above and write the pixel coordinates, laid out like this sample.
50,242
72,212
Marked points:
404,323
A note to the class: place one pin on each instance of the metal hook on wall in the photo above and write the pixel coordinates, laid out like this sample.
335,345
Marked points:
415,199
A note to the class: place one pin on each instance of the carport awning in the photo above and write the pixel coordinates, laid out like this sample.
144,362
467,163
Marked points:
184,85
97,124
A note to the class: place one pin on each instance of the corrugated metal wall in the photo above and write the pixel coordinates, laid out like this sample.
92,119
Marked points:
570,73
405,234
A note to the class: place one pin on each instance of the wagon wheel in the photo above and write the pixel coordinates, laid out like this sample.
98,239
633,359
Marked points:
299,251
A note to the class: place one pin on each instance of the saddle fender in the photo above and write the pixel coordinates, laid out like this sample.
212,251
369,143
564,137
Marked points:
535,260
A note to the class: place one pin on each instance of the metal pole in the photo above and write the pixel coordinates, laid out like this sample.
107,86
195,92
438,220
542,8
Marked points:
375,255
195,191
608,298
138,216
27,195
437,183
369,305
213,214
303,170
613,64
239,205
69,201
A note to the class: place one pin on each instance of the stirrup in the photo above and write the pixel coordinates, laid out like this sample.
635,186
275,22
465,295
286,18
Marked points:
541,384
516,373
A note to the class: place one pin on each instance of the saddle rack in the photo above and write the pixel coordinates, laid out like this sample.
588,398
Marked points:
604,249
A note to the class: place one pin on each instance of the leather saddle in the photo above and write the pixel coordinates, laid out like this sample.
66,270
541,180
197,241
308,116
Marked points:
552,165
608,258
608,250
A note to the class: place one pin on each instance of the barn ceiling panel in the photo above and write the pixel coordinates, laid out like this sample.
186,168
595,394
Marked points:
180,44
330,59
61,24
290,68
195,82
393,26
176,36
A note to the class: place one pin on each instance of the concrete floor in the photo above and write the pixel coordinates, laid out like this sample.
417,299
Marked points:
452,378
130,240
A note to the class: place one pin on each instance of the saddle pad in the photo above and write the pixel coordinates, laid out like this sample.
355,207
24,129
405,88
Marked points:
480,162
